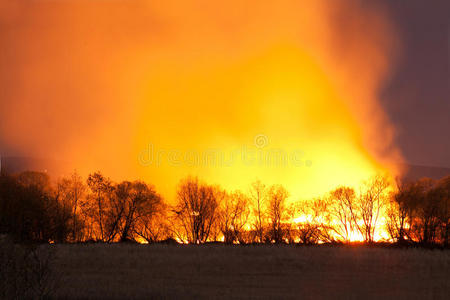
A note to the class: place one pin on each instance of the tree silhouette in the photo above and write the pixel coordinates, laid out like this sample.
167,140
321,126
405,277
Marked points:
233,215
196,209
258,196
136,201
341,208
277,212
70,192
370,204
101,197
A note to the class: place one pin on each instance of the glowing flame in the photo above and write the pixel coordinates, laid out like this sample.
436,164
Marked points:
284,92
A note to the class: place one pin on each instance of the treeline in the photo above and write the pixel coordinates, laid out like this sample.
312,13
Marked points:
97,209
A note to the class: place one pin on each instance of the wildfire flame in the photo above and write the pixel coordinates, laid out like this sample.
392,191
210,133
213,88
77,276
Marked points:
148,89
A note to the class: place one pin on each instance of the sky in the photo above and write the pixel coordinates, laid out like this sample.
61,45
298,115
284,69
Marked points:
417,94
351,87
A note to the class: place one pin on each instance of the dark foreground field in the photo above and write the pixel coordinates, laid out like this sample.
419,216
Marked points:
214,271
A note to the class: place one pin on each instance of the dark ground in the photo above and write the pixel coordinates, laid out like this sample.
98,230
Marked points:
284,272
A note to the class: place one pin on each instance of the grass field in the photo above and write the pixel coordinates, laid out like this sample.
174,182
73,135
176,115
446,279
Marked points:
214,271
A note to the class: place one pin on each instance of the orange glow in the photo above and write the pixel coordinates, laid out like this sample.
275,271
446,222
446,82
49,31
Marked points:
163,88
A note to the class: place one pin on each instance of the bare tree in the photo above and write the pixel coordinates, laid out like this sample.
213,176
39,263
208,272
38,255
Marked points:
341,208
233,215
425,200
78,190
153,224
258,196
70,191
136,201
399,214
62,211
291,226
315,224
369,206
419,211
196,209
36,207
100,200
277,212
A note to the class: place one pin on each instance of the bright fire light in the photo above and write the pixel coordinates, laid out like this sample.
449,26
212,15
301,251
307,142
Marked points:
232,92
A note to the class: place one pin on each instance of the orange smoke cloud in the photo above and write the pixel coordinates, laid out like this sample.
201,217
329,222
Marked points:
231,92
